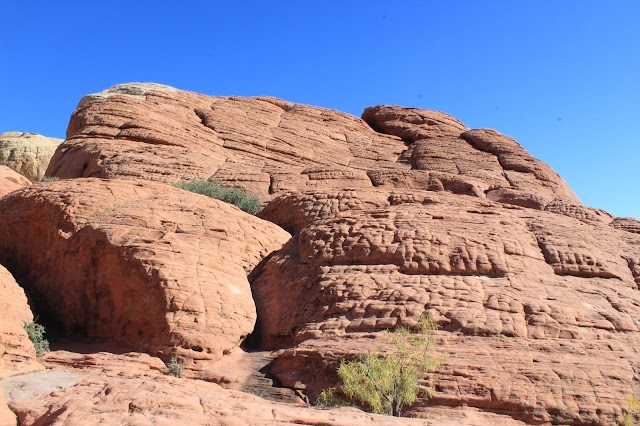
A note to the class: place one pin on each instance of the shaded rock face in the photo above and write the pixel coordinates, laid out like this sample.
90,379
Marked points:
11,180
17,354
153,267
27,153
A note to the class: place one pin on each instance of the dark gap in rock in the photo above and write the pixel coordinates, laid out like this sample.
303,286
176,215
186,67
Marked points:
252,342
42,313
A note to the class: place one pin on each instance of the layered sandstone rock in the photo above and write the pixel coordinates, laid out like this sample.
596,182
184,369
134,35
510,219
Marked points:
401,213
11,180
539,311
27,153
269,146
17,354
153,267
263,144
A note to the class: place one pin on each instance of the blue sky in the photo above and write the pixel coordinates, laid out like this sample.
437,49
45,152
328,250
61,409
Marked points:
561,77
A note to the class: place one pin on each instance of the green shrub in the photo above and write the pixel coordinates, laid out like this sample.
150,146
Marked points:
36,332
386,383
49,179
175,367
629,415
331,398
214,189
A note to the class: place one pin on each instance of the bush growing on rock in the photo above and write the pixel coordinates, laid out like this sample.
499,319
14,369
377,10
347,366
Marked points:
631,413
36,332
175,367
386,383
49,179
214,189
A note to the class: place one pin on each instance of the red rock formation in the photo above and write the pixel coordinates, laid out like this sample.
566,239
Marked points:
401,213
538,311
10,181
104,388
270,146
17,354
151,266
263,144
7,418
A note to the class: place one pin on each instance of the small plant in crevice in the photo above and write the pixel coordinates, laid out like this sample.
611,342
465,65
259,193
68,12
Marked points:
36,332
239,197
49,179
175,367
385,383
630,414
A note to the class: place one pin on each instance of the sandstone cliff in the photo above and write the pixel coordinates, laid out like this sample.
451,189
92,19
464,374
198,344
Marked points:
374,222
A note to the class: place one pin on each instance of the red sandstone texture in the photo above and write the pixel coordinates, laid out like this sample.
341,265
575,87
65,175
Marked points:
129,388
10,181
154,267
538,311
17,354
269,146
401,213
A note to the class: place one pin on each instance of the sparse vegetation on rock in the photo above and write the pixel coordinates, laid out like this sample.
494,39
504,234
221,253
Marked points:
36,332
49,179
385,383
239,197
631,413
175,367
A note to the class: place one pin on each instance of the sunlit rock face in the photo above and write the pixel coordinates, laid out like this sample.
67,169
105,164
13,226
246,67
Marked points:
400,213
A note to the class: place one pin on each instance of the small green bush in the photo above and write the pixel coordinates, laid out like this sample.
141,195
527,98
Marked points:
214,189
175,367
631,413
386,383
49,179
36,332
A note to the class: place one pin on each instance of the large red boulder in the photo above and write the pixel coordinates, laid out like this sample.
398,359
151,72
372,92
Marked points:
153,267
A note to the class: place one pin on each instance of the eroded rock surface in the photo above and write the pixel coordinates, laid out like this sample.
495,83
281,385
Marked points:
539,311
401,213
270,146
153,267
11,180
17,354
27,153
263,144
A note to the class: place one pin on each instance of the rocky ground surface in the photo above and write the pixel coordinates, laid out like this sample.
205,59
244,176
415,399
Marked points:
111,386
368,224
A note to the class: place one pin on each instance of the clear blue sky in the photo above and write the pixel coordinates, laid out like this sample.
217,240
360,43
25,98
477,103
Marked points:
561,77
